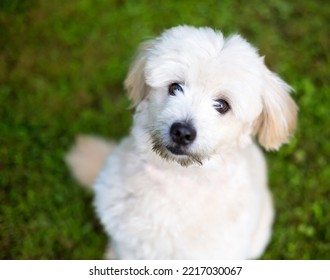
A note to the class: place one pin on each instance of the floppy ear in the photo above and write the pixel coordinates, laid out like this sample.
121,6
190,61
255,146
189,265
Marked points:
135,81
277,120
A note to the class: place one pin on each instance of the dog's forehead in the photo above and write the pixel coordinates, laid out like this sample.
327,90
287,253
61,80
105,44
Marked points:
200,56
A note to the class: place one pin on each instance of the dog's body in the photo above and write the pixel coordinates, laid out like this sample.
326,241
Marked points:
154,209
189,183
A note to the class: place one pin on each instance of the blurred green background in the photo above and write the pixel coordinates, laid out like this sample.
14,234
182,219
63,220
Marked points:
62,64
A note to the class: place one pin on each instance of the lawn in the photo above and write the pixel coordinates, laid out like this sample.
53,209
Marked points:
62,64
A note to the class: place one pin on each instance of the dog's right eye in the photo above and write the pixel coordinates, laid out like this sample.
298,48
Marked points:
174,88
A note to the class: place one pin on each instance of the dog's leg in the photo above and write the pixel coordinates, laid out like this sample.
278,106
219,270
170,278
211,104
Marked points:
86,158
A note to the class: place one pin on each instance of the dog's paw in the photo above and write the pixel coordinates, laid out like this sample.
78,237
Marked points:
109,254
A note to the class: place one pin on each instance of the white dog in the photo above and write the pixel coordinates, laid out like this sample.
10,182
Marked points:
188,182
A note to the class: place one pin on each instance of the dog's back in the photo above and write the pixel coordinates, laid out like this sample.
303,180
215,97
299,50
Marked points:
86,158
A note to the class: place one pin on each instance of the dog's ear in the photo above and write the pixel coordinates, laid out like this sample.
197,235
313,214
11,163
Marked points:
277,120
135,80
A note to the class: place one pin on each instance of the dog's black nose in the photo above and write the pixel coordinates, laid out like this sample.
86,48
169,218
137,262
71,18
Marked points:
182,133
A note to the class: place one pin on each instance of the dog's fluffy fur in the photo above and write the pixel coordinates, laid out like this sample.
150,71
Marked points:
204,196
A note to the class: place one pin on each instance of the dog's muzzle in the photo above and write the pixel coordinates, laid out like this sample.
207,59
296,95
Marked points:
180,137
182,134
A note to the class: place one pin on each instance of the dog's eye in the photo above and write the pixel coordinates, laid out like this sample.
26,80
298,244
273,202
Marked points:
174,88
221,106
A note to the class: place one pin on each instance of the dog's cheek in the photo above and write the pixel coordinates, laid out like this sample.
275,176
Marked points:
157,103
239,134
245,137
209,134
231,135
156,98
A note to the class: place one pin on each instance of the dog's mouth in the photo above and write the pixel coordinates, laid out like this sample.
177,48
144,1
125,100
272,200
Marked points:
177,150
175,153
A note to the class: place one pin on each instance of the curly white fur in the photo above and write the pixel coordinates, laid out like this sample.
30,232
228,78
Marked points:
210,200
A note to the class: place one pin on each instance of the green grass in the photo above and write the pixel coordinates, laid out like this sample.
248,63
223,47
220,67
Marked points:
62,64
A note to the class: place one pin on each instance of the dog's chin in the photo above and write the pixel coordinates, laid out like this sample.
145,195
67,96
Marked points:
176,153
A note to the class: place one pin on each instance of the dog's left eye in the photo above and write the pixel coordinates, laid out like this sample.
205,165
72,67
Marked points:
221,106
174,88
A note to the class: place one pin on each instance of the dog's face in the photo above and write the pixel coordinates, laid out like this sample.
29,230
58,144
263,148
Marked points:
207,95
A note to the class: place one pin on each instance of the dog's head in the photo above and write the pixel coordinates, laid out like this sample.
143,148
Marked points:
207,95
